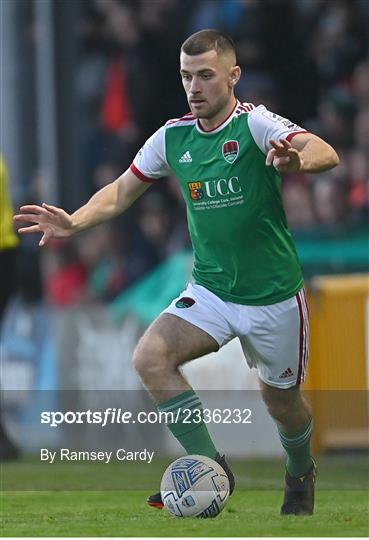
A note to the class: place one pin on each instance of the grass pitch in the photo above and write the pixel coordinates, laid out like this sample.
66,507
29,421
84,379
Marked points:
253,510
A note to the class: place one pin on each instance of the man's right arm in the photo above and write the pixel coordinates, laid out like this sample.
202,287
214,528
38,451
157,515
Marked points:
107,203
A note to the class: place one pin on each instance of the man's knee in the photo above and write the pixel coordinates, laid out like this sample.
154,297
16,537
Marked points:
279,410
281,402
151,357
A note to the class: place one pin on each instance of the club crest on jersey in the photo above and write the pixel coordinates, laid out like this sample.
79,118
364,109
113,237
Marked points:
230,151
196,191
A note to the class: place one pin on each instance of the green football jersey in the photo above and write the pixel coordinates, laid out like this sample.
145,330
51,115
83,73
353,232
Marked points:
243,250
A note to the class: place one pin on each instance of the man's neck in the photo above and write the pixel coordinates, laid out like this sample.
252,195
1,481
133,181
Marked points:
208,124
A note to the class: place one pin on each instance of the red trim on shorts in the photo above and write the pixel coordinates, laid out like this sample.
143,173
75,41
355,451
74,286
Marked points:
306,337
305,302
291,135
140,175
301,347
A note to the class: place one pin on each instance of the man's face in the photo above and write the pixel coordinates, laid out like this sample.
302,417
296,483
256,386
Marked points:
208,80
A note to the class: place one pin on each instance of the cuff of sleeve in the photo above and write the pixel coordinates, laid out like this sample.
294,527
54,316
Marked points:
141,176
291,135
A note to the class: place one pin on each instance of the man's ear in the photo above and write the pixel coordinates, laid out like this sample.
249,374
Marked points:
234,75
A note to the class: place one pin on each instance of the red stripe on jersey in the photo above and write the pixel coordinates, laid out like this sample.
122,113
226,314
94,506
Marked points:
187,116
301,346
183,119
248,106
140,175
290,136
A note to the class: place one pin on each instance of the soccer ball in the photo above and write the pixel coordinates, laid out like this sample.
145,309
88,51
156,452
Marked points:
194,486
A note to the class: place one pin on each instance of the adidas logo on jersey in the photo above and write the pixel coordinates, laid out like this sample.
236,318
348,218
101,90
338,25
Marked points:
287,373
186,158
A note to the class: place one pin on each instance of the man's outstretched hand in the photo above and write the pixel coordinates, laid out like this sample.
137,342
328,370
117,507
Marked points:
53,222
283,157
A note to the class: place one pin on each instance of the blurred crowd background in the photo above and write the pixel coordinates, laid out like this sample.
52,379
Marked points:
117,80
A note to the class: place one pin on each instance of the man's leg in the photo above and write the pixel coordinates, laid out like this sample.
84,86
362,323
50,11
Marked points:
293,418
292,415
168,343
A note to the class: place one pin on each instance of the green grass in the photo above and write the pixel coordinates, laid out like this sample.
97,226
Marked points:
341,504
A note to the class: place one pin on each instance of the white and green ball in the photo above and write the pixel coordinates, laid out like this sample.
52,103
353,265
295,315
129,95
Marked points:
194,486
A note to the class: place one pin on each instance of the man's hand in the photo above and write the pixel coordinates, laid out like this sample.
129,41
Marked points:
53,222
283,157
110,201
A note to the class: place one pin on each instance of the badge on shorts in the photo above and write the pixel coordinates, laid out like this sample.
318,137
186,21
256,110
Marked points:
185,302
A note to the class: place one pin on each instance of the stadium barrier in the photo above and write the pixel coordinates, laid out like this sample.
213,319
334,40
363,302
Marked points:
338,375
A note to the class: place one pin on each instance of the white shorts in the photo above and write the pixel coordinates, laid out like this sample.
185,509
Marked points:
274,338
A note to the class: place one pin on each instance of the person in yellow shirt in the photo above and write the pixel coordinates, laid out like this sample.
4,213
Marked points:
8,241
8,280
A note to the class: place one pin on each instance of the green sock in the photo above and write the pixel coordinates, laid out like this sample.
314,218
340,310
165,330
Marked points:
297,447
187,424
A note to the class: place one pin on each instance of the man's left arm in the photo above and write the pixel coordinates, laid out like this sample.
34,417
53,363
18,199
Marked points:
304,152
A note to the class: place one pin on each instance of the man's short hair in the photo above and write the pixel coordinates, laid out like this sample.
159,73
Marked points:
208,40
